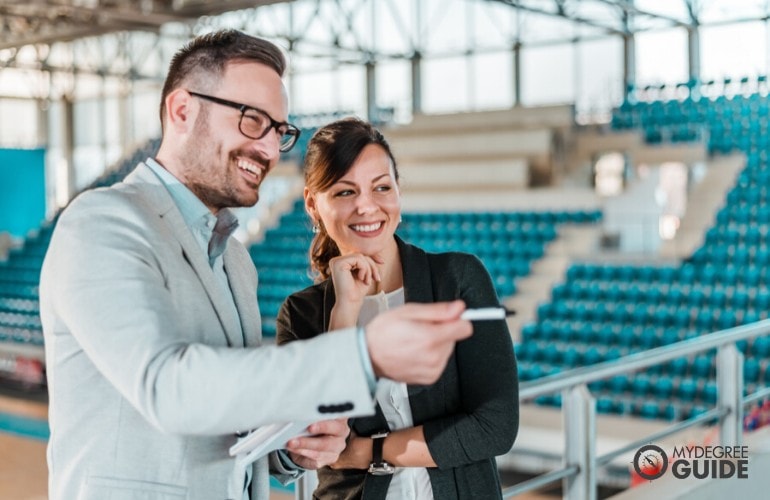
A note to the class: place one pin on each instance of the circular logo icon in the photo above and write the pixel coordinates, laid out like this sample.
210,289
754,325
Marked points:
650,462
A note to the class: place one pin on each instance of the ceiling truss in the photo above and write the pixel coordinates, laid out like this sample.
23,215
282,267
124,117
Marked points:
133,40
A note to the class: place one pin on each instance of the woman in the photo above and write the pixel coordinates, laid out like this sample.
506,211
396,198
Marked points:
425,442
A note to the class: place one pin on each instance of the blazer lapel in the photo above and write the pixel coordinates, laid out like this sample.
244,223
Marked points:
159,198
245,299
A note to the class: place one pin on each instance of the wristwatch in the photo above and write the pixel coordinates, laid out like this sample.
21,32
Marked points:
379,467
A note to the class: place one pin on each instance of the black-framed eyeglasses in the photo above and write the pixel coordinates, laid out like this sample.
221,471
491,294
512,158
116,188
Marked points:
255,123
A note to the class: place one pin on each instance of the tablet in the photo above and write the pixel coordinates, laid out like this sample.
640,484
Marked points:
267,438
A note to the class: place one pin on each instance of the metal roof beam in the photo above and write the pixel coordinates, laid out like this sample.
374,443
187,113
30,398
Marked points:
630,8
561,14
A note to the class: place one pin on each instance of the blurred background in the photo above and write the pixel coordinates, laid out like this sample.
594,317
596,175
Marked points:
606,159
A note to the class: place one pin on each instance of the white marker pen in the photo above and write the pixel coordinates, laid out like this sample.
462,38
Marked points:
486,313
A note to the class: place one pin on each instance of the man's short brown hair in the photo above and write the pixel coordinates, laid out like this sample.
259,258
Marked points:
204,59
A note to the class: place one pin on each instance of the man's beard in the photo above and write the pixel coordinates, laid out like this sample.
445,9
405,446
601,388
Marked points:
210,181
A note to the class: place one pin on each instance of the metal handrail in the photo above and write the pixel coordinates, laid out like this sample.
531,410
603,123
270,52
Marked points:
668,431
577,377
753,398
540,481
636,361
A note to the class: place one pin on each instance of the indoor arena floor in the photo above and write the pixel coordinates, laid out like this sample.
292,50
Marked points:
23,471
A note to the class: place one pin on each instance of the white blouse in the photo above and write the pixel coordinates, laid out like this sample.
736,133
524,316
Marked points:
408,483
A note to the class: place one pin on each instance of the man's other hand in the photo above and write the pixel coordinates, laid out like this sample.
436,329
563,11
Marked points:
323,447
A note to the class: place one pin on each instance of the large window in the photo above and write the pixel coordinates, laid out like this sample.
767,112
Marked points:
18,123
491,80
600,77
734,50
548,75
445,85
394,88
661,57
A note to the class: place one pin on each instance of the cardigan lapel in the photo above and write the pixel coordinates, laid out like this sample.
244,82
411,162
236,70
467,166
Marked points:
160,200
418,287
418,282
330,298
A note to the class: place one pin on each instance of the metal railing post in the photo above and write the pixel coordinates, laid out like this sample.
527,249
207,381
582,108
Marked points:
579,413
730,394
305,486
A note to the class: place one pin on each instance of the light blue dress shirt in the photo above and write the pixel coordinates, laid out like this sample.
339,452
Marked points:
211,232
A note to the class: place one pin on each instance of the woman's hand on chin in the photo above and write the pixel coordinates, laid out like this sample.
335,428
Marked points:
353,276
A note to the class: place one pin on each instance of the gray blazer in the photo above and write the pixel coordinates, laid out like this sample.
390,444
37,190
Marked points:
469,416
149,377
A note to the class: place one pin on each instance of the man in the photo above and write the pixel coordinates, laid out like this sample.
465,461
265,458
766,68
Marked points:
149,309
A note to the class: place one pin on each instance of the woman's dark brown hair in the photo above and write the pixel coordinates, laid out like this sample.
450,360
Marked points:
331,153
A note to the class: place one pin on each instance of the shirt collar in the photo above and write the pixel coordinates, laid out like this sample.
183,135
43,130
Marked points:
216,229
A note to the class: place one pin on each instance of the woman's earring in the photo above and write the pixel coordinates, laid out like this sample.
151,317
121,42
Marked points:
400,219
316,228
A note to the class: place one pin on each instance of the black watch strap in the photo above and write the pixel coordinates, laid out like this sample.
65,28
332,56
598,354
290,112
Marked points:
379,467
377,442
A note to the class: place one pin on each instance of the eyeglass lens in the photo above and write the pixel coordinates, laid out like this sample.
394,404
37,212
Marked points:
256,125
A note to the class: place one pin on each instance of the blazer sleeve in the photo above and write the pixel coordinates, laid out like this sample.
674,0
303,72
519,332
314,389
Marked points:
104,284
488,421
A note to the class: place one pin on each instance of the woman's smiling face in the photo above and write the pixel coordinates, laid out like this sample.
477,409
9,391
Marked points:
361,211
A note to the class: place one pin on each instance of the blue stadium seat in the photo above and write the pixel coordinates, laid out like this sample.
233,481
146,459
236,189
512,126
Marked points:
687,389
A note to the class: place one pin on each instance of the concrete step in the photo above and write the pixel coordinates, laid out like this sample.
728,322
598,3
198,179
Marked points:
705,200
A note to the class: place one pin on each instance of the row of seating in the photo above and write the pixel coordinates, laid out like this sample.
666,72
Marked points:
506,242
481,235
21,334
495,220
518,218
19,291
21,319
725,122
694,87
727,259
719,316
695,271
675,293
17,275
638,113
14,304
609,333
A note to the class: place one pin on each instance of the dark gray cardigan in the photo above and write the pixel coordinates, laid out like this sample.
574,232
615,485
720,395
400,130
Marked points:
469,416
